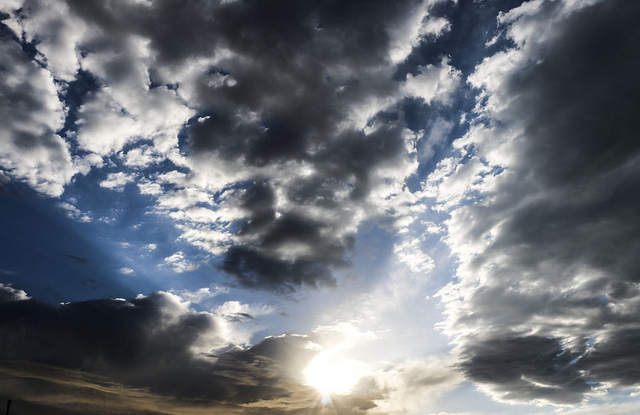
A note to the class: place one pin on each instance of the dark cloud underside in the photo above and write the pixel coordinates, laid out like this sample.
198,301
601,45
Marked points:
559,295
147,355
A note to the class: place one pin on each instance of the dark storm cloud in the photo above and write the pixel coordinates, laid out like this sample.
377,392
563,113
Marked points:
286,87
296,97
528,368
554,247
302,67
149,341
149,355
260,263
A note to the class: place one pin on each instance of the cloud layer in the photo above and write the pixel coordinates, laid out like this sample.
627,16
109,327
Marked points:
546,304
155,354
268,131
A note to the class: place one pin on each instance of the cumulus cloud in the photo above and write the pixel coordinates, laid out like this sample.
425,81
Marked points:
155,353
304,117
433,82
179,263
543,218
284,119
411,254
117,181
236,311
72,211
30,148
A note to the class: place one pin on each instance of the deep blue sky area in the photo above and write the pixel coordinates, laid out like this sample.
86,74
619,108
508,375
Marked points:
51,256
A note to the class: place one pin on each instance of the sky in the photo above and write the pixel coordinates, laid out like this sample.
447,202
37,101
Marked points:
320,207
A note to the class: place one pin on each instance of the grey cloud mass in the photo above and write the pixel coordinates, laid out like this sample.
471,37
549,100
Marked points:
289,111
154,354
286,94
155,342
549,274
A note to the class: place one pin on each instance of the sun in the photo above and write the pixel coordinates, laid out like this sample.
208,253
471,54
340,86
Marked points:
331,374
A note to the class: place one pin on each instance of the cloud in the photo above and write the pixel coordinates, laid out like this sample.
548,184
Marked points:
411,387
543,219
73,211
153,341
295,119
152,354
150,247
200,295
30,148
236,311
527,368
117,181
8,293
284,120
179,263
411,254
155,354
433,82
627,408
57,33
37,388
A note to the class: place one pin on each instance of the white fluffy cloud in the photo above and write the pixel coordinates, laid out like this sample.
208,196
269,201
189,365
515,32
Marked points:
433,82
30,148
8,293
179,263
117,181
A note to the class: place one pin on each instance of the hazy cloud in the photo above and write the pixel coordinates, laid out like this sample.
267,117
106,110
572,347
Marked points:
200,295
411,387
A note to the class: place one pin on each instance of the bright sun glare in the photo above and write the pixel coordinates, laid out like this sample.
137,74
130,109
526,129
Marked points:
331,374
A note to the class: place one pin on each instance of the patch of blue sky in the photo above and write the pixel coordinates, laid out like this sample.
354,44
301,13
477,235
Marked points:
55,258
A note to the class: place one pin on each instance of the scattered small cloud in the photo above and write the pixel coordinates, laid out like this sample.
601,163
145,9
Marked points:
179,263
9,294
200,295
117,181
150,247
